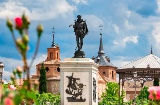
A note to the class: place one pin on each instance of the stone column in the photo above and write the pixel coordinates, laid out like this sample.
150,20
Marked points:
78,82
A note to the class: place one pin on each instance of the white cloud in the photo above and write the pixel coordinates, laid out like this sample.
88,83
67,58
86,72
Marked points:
133,39
80,1
38,60
10,64
128,25
128,13
11,9
116,28
93,21
158,4
40,10
156,34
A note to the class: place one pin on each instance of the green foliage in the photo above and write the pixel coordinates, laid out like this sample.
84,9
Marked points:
49,98
42,80
111,94
141,99
143,93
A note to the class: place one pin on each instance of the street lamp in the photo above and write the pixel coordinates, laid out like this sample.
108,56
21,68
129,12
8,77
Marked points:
1,71
135,76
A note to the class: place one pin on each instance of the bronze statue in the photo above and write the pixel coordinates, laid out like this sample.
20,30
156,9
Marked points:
80,29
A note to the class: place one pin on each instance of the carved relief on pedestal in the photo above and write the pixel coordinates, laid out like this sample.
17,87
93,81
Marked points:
74,89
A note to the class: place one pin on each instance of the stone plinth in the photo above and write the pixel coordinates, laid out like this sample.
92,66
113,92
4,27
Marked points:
78,82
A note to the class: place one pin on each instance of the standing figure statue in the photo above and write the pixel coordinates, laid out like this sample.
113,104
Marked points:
80,29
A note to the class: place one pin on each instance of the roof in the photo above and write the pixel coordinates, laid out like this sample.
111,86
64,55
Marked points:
1,64
150,61
51,62
102,59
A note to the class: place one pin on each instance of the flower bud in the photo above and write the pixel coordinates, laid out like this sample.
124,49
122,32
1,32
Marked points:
9,25
12,77
25,39
14,72
39,30
26,21
19,69
22,47
18,22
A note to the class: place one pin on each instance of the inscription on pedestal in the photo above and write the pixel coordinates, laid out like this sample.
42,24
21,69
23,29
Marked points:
74,89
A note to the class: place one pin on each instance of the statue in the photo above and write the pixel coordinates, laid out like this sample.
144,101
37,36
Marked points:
80,29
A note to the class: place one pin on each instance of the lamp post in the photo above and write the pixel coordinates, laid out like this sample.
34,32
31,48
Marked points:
135,76
1,71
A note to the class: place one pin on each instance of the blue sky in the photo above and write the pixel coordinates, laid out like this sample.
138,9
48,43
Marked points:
130,27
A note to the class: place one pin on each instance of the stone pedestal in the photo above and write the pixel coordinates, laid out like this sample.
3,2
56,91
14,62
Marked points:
78,82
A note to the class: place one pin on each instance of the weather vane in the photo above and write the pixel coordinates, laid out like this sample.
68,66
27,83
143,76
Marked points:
100,29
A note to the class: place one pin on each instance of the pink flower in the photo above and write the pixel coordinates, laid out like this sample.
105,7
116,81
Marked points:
158,93
8,101
152,92
18,22
11,87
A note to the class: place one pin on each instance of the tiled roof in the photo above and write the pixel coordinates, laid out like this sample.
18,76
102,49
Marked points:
150,60
102,61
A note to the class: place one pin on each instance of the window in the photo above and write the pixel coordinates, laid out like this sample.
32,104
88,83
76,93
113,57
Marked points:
112,74
57,55
47,69
51,55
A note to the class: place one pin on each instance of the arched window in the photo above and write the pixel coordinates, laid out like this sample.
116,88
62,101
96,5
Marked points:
47,69
57,55
112,74
51,55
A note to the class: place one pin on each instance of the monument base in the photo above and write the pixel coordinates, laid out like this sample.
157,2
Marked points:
79,81
79,54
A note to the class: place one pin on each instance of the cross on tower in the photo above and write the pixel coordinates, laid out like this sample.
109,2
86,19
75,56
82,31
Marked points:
53,43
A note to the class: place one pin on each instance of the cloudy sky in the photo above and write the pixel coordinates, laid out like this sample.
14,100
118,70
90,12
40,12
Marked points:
129,29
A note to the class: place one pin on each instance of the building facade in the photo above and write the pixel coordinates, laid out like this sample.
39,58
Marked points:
106,70
51,65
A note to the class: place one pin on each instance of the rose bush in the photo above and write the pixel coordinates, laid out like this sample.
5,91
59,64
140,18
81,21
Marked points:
13,94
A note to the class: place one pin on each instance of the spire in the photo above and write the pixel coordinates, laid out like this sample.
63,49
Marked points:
151,50
53,43
101,51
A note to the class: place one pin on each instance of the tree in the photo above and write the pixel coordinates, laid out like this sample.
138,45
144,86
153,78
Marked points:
111,94
42,80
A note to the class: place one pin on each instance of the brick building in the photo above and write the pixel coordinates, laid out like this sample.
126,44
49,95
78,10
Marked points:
51,64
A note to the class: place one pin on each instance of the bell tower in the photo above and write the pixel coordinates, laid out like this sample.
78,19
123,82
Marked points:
53,53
